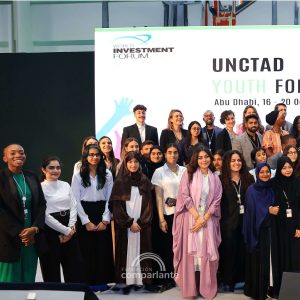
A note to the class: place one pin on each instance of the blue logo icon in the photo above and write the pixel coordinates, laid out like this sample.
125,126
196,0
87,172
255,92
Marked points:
142,38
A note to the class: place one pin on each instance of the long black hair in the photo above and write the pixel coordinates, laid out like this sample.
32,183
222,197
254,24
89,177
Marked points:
85,168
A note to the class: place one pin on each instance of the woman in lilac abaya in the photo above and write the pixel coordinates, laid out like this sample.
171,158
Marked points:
196,229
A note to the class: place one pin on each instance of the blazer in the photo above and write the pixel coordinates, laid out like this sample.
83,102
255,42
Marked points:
133,131
217,131
12,215
167,136
223,141
243,144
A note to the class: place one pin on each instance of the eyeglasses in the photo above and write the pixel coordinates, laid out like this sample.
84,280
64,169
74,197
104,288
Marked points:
293,153
54,167
196,128
94,154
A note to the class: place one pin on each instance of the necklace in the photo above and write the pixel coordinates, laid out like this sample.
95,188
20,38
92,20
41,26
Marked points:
20,189
210,137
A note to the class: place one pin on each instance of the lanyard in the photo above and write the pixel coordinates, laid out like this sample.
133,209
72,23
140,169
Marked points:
286,198
23,193
238,191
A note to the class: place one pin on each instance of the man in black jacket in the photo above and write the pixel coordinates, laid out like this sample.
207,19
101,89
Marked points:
140,130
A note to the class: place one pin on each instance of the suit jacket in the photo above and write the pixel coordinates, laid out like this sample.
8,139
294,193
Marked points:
217,131
133,131
12,215
244,145
223,141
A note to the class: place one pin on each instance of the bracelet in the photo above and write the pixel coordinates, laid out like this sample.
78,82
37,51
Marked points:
162,221
103,223
36,230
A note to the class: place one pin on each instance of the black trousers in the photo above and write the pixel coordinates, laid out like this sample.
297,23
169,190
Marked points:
66,255
166,249
96,246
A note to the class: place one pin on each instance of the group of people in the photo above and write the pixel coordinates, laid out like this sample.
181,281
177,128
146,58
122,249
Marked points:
197,208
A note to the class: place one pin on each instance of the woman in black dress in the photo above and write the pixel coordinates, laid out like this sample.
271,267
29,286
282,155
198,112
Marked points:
174,133
235,180
285,226
256,230
193,139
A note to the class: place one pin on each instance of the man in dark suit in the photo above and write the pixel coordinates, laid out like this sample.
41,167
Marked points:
140,130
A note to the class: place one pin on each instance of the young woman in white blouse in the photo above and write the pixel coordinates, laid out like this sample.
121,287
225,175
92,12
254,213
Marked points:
60,229
166,181
92,188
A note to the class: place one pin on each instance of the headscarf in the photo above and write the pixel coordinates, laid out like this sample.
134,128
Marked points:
259,197
125,180
280,179
152,166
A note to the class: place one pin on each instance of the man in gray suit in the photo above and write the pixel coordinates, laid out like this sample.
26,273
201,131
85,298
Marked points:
249,140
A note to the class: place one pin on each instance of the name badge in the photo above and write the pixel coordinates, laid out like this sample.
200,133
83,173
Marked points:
289,213
242,210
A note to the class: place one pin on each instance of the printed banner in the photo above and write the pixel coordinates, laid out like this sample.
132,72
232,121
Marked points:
193,69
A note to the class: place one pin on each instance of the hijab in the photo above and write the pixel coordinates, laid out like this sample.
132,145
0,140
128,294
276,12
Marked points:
281,180
152,166
259,197
125,180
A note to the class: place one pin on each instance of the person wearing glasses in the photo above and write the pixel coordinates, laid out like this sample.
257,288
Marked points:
22,218
60,229
92,188
292,153
193,139
89,140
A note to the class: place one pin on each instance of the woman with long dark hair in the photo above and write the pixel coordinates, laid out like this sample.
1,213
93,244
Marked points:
89,140
196,228
235,180
60,229
92,189
193,139
166,181
111,162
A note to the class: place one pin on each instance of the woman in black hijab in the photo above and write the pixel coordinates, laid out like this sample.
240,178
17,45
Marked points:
285,227
256,230
131,205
